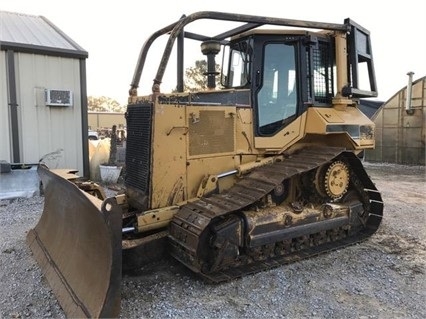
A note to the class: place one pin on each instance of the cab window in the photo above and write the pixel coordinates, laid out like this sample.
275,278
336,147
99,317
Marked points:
277,98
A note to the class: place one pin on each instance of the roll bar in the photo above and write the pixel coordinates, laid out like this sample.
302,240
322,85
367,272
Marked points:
176,30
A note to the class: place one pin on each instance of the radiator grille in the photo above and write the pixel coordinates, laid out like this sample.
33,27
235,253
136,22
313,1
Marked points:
212,133
138,146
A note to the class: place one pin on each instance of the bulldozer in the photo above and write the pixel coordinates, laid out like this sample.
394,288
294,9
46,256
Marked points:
260,168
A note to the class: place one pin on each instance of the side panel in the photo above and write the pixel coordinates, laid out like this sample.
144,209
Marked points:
211,142
211,131
202,167
244,136
5,146
284,138
187,143
350,122
168,174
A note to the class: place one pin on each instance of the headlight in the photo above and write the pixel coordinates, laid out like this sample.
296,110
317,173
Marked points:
367,132
352,130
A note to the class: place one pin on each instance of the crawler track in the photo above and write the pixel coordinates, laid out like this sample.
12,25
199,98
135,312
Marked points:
191,228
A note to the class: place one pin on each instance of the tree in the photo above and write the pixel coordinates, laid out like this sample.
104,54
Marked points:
103,104
196,78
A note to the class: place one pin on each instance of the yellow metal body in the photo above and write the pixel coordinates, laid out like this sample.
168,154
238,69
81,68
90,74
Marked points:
155,219
204,142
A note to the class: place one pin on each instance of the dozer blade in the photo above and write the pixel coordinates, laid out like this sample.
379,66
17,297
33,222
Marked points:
77,244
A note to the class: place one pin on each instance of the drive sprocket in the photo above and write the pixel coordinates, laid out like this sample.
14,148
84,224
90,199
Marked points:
332,180
336,179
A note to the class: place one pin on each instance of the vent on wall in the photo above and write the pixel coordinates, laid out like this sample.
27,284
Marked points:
58,97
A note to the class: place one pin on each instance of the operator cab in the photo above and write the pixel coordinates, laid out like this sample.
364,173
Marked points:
274,65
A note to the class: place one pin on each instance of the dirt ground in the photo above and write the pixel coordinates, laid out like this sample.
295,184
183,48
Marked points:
382,277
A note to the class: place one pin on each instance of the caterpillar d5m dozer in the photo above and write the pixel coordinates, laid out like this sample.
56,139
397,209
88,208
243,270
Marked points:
259,169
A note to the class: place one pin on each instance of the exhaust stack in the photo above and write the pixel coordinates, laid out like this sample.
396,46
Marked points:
211,49
408,107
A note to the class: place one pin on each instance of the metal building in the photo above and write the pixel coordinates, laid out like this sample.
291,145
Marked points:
43,98
401,126
100,120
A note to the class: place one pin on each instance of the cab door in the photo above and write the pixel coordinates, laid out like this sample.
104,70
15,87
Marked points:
276,98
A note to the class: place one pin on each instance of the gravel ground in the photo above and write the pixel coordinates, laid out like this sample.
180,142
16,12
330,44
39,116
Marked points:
383,277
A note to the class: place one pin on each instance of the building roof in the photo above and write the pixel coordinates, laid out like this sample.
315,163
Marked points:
36,34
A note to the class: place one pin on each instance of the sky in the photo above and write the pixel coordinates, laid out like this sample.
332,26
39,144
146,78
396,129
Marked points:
113,32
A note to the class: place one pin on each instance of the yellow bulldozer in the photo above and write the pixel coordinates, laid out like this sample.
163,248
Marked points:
259,169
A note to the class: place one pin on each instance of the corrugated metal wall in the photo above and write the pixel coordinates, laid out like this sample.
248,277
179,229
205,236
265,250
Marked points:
46,129
5,151
400,137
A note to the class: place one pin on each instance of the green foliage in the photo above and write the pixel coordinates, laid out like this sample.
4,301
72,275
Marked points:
195,78
103,104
